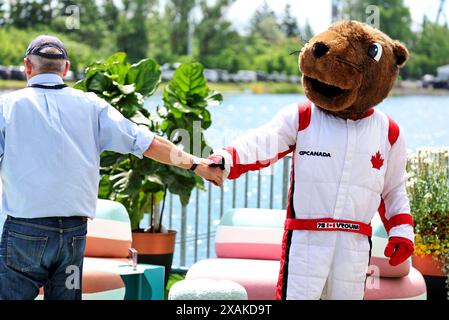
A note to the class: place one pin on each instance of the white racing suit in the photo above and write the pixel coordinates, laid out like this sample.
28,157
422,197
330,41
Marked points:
343,172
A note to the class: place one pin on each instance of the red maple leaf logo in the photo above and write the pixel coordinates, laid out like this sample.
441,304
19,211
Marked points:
377,161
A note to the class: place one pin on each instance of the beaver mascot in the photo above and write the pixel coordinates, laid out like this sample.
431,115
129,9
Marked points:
349,162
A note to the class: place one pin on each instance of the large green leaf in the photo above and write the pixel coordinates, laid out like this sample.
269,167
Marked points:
129,104
183,187
188,80
117,67
118,58
109,159
139,118
145,75
214,98
98,83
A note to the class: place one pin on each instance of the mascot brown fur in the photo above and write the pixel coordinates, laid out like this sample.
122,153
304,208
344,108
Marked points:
350,68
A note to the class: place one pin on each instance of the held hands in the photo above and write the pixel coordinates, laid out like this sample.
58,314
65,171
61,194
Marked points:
212,174
398,250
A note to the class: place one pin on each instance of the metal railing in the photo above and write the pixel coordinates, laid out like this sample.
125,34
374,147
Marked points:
196,223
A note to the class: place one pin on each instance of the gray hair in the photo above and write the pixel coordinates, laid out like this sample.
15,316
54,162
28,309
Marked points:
44,65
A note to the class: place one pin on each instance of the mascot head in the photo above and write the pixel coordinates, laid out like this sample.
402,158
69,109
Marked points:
350,68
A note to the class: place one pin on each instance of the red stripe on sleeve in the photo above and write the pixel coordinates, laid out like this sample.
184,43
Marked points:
238,168
403,218
396,220
382,214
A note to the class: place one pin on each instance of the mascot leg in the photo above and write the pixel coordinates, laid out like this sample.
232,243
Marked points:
348,273
305,264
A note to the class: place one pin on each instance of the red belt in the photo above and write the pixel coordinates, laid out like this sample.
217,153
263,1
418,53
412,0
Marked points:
328,224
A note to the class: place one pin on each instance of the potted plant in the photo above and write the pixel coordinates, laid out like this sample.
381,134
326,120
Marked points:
141,185
428,190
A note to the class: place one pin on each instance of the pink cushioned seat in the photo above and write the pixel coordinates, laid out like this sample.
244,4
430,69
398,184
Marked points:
259,278
410,287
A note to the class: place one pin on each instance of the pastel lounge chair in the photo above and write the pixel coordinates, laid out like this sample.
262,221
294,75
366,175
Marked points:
108,272
248,249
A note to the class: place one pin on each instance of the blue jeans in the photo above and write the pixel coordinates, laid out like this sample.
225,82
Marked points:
44,252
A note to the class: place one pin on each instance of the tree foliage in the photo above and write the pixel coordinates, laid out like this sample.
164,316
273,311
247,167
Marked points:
430,51
394,16
161,29
289,23
215,34
177,12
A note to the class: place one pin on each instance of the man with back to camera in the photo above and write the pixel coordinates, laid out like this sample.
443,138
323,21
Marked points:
50,145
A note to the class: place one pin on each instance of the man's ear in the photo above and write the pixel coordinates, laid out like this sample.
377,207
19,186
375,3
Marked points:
401,53
28,66
67,68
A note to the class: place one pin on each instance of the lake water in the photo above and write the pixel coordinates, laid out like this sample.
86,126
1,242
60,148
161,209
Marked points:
424,121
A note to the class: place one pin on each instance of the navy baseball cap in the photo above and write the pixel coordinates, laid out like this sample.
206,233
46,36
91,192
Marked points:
44,41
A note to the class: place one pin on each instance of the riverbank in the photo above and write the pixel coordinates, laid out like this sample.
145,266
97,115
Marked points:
405,88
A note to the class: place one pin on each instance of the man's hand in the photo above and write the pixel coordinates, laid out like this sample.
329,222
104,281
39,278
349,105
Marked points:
165,151
398,250
214,175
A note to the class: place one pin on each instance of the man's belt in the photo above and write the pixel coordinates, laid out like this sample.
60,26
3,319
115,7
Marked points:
328,224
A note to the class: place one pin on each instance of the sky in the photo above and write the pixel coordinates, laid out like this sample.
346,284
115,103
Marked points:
318,12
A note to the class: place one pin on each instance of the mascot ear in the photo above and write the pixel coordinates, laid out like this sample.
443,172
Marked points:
401,53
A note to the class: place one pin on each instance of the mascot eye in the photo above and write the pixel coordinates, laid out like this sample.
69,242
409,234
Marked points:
375,51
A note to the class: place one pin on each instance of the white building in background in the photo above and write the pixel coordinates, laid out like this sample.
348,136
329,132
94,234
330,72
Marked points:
443,74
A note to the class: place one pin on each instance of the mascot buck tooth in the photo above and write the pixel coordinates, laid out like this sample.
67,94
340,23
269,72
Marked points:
349,162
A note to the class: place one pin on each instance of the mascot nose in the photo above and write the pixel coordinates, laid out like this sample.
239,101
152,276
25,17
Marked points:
320,49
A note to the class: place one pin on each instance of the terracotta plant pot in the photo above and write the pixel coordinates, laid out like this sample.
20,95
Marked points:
156,249
433,275
428,266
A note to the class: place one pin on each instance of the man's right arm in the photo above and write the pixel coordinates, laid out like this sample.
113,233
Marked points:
164,151
118,134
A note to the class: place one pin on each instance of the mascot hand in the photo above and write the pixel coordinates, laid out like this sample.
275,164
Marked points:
398,250
216,161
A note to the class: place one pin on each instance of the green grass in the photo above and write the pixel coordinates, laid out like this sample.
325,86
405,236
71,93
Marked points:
12,84
256,87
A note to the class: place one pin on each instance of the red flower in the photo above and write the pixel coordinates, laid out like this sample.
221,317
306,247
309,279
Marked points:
377,161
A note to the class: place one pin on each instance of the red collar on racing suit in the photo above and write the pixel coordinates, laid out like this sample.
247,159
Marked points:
363,115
